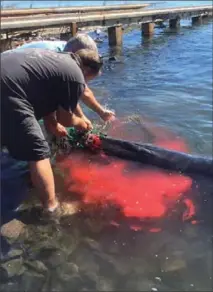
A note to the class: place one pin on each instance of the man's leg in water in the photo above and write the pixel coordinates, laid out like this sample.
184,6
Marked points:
43,179
25,141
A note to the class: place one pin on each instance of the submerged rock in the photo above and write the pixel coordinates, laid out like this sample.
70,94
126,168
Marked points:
104,284
85,260
66,270
36,266
209,264
61,281
32,282
138,284
98,40
123,266
92,243
94,225
113,59
11,269
14,253
35,249
52,257
68,277
11,286
12,230
172,265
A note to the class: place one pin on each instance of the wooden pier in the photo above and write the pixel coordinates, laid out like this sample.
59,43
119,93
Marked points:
71,10
149,15
111,16
46,13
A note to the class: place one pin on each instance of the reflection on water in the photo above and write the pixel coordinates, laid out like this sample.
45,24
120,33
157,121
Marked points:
93,245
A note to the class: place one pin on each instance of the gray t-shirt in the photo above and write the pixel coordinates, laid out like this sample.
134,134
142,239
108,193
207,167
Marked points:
34,83
44,78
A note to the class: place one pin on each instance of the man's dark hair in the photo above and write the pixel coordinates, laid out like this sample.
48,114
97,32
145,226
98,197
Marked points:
90,59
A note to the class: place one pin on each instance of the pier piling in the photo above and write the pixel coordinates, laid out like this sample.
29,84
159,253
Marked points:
71,33
206,15
73,29
147,28
115,35
174,23
197,19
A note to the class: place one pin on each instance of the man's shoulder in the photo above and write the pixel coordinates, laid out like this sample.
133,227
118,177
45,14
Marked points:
71,68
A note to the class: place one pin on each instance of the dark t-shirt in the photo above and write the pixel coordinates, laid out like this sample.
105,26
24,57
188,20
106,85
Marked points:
34,83
44,78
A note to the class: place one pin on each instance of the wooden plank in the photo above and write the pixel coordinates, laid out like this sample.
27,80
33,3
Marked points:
101,19
61,10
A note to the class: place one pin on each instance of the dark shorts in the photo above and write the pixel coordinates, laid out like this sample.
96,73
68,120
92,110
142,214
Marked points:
21,133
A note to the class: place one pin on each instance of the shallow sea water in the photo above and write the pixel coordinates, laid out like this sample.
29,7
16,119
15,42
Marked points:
167,81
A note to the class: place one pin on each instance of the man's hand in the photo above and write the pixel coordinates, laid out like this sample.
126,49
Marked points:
58,130
53,126
79,113
107,115
88,122
89,99
80,124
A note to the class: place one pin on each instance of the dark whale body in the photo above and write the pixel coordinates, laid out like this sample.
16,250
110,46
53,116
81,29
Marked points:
159,157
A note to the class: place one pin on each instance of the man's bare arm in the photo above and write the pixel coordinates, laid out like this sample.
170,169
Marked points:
78,111
70,119
57,121
89,99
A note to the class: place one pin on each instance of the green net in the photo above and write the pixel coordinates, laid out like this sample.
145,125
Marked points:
75,140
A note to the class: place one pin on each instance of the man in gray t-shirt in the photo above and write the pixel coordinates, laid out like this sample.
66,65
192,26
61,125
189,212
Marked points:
35,83
78,42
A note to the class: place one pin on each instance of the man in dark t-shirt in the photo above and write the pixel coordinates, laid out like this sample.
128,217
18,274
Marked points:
35,83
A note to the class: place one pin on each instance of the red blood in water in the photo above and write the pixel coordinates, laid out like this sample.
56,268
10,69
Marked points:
190,211
177,145
143,194
139,193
